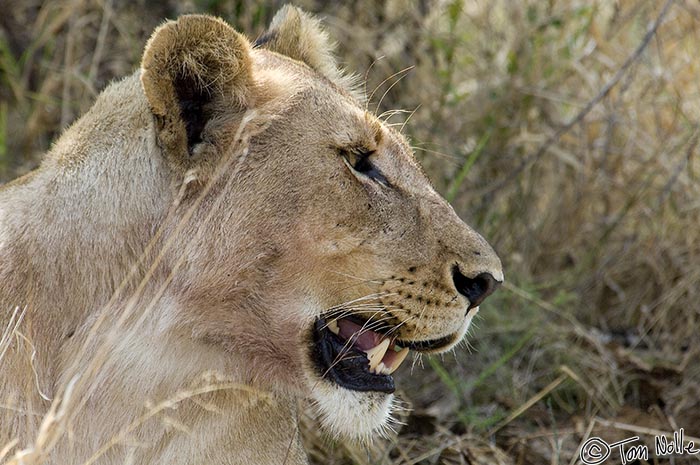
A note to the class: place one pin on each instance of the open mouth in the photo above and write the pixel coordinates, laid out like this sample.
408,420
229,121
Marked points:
360,356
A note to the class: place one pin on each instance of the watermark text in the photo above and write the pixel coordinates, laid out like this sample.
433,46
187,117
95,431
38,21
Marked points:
596,450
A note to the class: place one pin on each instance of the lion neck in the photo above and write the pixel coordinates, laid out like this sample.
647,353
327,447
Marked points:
102,212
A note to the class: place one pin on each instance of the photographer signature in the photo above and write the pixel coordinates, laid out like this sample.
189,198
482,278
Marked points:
595,450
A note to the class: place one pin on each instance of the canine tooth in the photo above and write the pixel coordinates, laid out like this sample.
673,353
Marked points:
333,326
376,354
400,357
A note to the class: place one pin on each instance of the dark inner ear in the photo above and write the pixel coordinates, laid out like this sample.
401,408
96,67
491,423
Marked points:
193,100
264,39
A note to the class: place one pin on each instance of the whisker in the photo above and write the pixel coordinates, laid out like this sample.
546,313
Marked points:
417,359
409,117
375,323
371,312
388,114
359,299
387,79
451,158
366,327
343,313
397,327
364,83
361,311
392,86
346,347
370,302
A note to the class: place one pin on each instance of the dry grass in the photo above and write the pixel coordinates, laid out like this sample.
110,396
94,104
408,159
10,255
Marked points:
562,134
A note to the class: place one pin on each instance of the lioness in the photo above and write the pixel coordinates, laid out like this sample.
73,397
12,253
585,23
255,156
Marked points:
224,232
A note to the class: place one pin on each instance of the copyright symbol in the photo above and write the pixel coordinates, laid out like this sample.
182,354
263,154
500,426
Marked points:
594,451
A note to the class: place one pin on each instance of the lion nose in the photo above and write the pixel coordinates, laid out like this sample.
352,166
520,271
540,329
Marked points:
475,289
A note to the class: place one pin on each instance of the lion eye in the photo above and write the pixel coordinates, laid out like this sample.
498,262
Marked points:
359,161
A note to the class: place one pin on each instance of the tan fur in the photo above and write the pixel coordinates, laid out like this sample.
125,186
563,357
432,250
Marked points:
161,278
300,36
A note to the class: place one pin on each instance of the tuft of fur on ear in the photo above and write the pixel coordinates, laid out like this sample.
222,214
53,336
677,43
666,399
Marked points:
301,36
191,69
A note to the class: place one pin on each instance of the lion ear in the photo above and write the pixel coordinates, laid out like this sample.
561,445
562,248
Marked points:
300,36
193,69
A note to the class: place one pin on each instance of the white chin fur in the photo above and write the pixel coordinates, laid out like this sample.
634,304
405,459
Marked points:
351,414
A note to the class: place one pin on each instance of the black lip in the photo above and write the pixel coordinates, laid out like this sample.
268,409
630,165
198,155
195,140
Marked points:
347,367
432,345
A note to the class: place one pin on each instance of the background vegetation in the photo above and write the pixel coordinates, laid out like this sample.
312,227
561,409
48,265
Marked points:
565,131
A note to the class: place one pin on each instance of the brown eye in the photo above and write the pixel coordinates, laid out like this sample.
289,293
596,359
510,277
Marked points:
360,161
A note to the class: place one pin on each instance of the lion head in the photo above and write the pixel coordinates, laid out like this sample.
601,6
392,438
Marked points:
333,256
